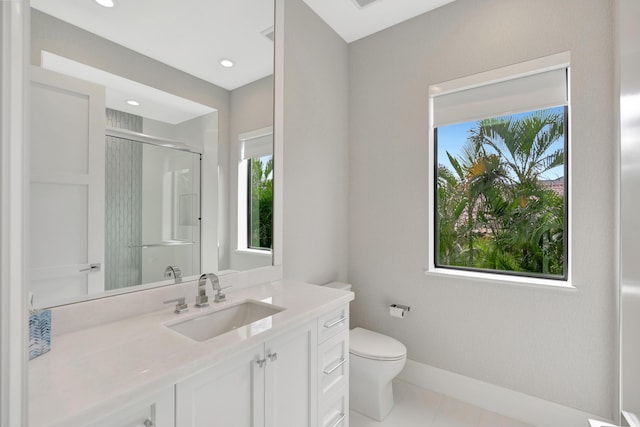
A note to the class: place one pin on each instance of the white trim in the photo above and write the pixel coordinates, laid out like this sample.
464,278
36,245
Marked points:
266,253
278,132
631,418
596,423
504,278
528,409
14,184
242,216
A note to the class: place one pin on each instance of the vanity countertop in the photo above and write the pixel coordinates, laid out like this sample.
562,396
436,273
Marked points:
91,371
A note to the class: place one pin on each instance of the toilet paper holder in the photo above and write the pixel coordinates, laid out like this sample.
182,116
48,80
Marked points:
398,310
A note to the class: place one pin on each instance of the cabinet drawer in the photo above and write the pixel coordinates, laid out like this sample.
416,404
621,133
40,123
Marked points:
333,361
154,411
333,323
336,412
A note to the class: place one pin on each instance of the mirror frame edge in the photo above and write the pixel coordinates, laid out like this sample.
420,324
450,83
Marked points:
278,134
14,151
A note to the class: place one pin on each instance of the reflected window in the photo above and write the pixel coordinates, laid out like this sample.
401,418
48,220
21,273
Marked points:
255,191
260,202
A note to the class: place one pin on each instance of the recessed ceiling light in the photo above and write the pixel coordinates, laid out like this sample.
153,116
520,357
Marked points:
106,3
227,63
133,102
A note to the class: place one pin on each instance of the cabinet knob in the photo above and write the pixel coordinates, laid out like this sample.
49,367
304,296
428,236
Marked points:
261,362
272,356
148,423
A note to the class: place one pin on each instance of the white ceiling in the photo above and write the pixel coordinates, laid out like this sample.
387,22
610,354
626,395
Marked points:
352,22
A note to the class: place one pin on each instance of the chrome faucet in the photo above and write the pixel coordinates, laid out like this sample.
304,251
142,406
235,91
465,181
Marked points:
175,272
202,300
219,297
181,305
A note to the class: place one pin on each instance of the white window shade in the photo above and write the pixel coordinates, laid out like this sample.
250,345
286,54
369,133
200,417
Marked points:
529,93
256,147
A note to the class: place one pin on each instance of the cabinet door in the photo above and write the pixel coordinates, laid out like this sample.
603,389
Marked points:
154,411
230,394
291,380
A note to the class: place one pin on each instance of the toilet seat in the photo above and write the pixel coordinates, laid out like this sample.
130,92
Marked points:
375,346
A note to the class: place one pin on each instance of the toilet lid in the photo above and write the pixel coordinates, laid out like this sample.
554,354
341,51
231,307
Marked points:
373,345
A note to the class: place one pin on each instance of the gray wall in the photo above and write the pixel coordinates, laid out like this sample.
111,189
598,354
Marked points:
559,345
315,148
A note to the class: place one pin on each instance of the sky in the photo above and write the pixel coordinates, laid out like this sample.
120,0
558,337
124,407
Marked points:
451,138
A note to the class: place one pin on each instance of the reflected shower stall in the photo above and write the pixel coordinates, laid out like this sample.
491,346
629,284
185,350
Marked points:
152,206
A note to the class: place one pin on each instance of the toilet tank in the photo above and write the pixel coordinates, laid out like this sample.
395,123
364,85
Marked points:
339,285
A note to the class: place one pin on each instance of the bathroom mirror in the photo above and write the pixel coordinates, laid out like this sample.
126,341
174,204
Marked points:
223,114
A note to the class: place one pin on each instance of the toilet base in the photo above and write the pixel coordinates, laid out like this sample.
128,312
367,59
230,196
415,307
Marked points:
371,373
372,400
375,406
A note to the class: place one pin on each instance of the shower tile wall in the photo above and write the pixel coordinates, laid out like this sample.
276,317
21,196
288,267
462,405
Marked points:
123,206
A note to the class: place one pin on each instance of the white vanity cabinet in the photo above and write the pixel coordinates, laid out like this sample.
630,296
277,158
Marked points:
289,369
156,410
333,368
270,385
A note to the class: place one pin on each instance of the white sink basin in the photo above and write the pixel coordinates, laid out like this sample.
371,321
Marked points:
255,314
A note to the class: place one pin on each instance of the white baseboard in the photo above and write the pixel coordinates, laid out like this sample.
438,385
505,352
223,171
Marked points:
632,419
528,409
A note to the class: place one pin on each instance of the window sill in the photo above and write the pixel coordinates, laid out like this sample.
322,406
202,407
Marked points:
499,278
258,252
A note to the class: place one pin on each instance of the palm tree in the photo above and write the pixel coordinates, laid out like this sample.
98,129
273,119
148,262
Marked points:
532,222
523,144
451,203
261,203
478,178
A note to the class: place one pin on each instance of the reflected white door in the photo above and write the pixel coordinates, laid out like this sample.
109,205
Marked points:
67,122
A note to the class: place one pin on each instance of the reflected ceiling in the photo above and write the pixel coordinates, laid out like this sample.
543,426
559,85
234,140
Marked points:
183,34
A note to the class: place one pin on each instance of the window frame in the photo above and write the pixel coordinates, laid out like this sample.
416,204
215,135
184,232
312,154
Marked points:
243,190
540,65
249,210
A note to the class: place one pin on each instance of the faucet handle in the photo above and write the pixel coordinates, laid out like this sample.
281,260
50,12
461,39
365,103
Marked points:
220,296
181,305
202,301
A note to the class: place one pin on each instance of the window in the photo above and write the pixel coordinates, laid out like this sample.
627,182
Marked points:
500,176
260,202
255,191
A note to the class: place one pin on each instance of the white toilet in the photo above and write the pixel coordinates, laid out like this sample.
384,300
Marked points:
374,361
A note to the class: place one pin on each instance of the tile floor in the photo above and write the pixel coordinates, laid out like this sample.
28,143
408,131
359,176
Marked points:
417,407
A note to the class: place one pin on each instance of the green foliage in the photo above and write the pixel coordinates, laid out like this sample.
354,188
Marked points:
261,204
494,212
